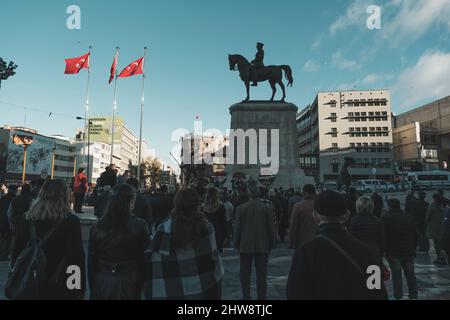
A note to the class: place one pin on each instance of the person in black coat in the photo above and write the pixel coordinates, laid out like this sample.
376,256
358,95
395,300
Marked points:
5,227
216,214
378,204
333,265
401,242
20,205
64,248
108,177
116,249
419,212
161,206
368,228
141,208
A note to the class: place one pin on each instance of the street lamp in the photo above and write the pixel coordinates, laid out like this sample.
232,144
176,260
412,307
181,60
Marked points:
24,141
6,71
88,170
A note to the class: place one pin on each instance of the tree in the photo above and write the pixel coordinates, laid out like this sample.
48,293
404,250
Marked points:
150,170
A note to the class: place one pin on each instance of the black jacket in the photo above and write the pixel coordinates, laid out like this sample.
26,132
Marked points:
64,248
18,207
108,178
378,205
369,229
400,234
116,260
320,272
419,212
143,210
4,206
218,218
161,206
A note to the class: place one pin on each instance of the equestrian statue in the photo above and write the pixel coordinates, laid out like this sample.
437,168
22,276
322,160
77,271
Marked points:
256,71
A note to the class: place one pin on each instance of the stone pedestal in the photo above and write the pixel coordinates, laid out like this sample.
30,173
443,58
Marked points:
263,119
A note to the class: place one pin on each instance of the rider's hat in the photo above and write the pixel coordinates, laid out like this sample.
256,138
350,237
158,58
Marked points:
259,44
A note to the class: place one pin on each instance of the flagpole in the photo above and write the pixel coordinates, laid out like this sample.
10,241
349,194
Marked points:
86,110
142,112
114,107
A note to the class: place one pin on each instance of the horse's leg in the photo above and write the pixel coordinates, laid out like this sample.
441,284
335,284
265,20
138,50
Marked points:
274,89
247,87
281,84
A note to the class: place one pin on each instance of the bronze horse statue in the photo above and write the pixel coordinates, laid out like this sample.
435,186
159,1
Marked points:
273,74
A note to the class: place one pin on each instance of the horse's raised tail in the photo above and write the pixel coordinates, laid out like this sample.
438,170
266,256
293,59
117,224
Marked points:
288,73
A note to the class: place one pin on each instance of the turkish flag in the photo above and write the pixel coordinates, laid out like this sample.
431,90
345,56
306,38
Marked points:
133,69
74,65
113,69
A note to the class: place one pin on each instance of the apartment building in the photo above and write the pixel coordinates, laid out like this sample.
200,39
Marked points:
342,124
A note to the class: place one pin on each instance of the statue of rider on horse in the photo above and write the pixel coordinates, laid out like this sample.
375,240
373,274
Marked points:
256,72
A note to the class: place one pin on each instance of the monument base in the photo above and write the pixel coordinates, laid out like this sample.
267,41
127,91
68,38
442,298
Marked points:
262,118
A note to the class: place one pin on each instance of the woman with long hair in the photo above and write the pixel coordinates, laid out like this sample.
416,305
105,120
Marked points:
183,259
51,217
116,249
216,214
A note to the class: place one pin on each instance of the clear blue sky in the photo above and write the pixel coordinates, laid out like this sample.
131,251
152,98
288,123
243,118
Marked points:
326,43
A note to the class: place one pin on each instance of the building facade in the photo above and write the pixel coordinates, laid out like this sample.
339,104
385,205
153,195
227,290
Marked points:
46,155
423,137
356,124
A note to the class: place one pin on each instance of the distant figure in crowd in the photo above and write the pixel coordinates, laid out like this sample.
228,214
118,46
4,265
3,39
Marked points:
345,179
333,265
229,218
401,242
109,177
51,217
419,211
5,228
283,224
368,228
183,261
161,206
116,249
102,200
19,206
303,226
378,204
350,199
124,177
141,208
278,214
410,202
216,214
80,188
254,239
293,199
435,226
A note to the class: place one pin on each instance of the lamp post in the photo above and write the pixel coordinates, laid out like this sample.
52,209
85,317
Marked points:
88,169
24,141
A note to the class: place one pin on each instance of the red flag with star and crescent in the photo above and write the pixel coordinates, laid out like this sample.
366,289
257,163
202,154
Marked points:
113,69
133,68
74,65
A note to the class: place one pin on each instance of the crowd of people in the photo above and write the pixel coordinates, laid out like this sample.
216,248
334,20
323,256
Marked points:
156,245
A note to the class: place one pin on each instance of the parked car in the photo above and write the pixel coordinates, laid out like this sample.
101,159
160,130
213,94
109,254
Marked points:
374,185
428,180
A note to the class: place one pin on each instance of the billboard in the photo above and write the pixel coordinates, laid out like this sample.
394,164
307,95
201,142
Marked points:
101,129
39,154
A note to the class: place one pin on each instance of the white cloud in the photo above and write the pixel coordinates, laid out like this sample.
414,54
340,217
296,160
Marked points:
355,15
413,19
311,66
344,64
429,79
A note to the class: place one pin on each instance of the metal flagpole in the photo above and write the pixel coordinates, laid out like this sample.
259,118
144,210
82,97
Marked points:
86,110
142,112
114,107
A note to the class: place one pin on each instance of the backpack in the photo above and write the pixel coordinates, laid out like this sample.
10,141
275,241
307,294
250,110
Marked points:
27,277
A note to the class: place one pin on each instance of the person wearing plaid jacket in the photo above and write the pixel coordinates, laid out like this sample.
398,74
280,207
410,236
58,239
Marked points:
183,262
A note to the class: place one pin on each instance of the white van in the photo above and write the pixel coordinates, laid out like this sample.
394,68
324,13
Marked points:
427,180
374,185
